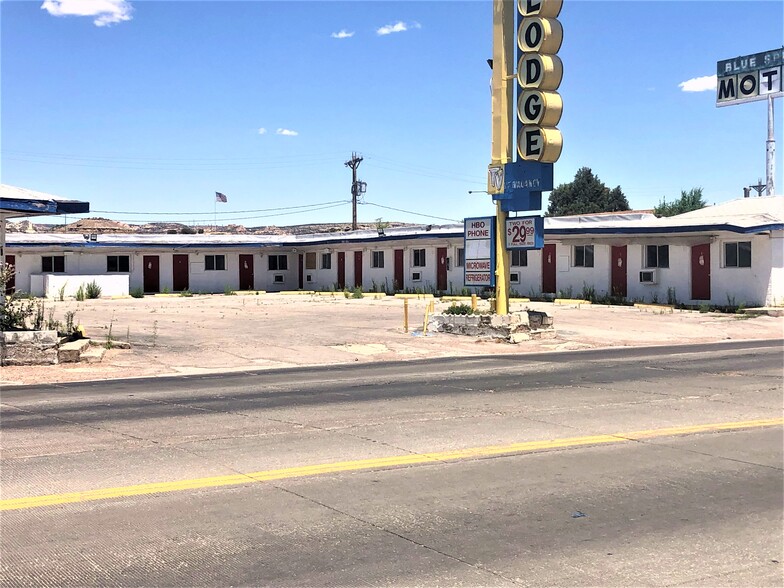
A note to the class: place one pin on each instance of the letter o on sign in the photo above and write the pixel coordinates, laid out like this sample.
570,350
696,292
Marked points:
545,8
539,72
540,35
535,143
747,85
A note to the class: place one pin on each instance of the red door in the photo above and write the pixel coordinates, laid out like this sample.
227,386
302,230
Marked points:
357,269
246,273
548,269
10,285
441,269
341,270
301,271
152,276
618,278
700,272
180,272
398,285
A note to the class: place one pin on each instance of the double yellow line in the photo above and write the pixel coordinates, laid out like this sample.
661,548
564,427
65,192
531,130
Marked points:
372,464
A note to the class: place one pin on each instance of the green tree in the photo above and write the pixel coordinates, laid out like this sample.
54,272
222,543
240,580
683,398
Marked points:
584,195
691,200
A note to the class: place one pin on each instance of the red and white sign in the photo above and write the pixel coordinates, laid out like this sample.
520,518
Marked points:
520,232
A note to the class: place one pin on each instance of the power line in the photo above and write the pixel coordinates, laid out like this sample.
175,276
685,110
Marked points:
295,157
148,221
412,212
239,166
190,214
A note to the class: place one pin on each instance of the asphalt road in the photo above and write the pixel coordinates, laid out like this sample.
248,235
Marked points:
615,468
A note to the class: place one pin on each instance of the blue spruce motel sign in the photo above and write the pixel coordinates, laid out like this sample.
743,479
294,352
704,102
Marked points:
749,78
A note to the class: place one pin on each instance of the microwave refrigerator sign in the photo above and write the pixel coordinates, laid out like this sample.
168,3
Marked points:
749,78
479,247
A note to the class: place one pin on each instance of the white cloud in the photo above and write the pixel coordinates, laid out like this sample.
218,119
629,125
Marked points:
286,132
262,131
342,34
106,12
398,27
703,84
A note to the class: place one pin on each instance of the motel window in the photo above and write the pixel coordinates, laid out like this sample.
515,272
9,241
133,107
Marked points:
460,257
278,263
519,257
378,259
419,258
657,256
583,256
310,261
118,263
737,254
214,262
53,264
326,261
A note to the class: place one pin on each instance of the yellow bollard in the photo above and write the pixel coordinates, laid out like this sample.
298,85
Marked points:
405,315
428,309
473,302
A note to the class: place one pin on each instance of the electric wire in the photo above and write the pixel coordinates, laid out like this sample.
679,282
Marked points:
148,221
412,212
190,214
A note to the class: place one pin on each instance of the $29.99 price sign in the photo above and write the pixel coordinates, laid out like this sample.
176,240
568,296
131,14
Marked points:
525,232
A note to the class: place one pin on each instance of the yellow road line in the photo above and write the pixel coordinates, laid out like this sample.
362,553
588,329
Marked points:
372,464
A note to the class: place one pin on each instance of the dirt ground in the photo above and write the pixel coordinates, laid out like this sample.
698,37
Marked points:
203,334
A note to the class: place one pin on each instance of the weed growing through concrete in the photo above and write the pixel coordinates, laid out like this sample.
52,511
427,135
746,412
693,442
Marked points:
109,338
154,333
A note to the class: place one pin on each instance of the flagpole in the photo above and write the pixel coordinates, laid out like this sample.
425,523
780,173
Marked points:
215,213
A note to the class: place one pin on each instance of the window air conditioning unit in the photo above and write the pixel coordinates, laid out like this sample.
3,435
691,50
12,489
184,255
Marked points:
649,277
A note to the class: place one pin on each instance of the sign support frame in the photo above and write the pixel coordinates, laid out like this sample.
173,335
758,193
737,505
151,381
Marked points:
504,42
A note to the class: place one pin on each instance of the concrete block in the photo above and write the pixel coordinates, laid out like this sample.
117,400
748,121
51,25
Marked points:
71,352
93,354
519,337
27,355
472,321
30,337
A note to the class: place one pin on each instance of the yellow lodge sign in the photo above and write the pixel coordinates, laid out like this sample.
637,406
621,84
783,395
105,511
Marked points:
539,75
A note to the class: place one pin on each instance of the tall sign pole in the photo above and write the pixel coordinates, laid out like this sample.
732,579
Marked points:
502,136
770,153
531,45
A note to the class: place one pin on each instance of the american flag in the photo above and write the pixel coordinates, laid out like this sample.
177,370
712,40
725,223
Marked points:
220,197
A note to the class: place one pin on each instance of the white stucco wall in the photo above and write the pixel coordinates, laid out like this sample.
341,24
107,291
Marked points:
774,295
49,285
762,283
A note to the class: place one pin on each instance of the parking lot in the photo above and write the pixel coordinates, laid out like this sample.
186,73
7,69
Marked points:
212,333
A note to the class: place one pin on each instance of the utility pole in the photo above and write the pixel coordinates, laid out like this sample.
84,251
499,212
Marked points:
759,187
356,187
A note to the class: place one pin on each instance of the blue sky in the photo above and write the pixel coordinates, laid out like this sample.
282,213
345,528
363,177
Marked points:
146,108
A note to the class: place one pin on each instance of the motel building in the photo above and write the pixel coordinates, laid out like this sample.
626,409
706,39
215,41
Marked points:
728,254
